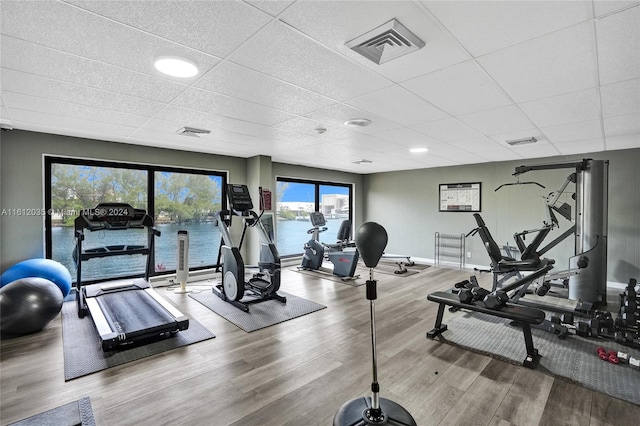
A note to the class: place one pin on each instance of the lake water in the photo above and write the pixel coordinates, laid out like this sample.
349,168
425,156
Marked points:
204,241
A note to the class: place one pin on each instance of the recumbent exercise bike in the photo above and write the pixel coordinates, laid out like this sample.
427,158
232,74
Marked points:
343,255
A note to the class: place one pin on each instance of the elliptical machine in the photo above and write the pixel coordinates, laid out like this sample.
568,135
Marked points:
343,255
264,284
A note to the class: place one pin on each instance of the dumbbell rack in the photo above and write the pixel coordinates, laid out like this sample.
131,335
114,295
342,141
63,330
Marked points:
627,323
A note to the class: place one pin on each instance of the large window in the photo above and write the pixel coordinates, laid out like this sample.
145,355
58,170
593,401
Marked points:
177,199
296,199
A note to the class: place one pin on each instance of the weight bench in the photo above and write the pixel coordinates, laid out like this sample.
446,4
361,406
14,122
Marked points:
523,315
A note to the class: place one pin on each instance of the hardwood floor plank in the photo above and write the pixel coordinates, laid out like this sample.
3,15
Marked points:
301,371
525,401
568,404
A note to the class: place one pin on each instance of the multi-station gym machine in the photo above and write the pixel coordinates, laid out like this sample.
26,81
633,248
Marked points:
589,284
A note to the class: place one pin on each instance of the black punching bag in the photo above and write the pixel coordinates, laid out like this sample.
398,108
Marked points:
371,240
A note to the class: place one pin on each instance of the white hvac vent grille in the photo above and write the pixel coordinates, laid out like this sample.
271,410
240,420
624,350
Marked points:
525,141
193,131
389,41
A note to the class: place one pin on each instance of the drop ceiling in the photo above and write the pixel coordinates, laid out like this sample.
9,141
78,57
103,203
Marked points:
272,72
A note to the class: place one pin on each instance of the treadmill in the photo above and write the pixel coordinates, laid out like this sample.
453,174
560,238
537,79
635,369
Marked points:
125,312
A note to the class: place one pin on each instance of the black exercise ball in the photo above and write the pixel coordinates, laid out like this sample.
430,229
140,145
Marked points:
27,305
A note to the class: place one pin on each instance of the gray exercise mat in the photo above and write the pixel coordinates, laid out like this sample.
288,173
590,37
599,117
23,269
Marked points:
83,353
77,413
260,315
574,358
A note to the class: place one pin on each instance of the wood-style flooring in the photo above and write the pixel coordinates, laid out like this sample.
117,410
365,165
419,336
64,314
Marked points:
299,372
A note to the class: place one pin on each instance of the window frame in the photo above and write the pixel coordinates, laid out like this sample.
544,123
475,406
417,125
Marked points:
150,169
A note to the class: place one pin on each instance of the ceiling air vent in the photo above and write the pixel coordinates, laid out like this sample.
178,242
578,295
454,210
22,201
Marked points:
524,141
193,132
387,42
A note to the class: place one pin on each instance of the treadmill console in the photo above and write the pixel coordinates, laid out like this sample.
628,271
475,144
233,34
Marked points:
113,216
239,198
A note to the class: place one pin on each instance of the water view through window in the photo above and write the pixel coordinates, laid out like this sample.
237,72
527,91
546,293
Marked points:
176,200
296,200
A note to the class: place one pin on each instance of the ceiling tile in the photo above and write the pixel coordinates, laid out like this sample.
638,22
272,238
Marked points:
459,89
487,26
334,23
606,7
622,125
29,84
398,104
407,137
623,141
620,98
453,153
211,144
568,108
336,115
284,53
215,27
244,83
591,129
557,63
362,143
201,100
619,46
64,27
499,154
55,123
498,120
38,60
447,130
580,147
83,112
307,126
478,145
272,7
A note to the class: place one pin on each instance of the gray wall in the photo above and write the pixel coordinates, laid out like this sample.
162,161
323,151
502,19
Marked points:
406,203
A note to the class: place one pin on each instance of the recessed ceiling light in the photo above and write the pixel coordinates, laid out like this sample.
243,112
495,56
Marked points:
357,122
176,66
417,150
363,161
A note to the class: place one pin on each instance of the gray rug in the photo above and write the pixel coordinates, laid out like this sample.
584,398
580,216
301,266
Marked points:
77,413
83,354
260,315
574,358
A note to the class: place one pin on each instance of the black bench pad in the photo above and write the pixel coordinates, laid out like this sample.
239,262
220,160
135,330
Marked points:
509,311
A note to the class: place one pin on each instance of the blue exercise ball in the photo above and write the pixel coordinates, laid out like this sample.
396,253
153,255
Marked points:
28,304
41,268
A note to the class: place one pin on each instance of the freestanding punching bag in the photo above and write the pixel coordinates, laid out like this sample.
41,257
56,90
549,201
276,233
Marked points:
371,240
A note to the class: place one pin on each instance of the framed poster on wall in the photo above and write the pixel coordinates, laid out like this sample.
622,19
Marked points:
460,197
